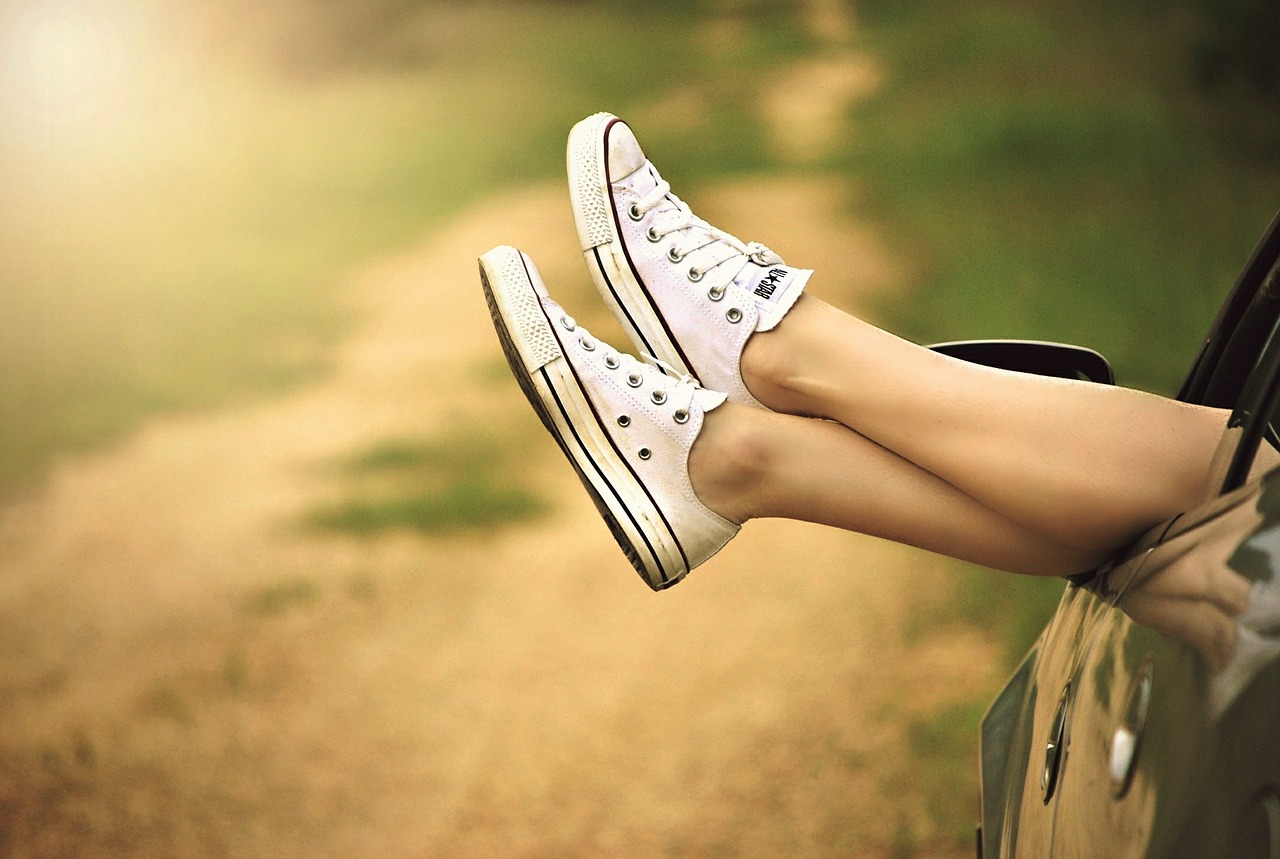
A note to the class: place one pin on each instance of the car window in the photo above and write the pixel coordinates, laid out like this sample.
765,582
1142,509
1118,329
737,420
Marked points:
1254,425
1238,334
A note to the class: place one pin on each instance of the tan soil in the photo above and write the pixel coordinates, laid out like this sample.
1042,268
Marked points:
515,694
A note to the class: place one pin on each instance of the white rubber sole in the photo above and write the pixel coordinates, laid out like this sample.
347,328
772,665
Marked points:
536,356
596,218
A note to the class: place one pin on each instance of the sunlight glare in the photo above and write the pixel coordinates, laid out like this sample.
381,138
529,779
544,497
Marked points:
63,65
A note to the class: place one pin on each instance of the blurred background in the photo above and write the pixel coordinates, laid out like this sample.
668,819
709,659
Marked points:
286,568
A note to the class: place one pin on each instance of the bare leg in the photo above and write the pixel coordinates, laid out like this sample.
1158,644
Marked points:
1083,464
748,463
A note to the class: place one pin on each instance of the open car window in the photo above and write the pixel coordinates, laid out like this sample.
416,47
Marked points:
1254,425
1249,372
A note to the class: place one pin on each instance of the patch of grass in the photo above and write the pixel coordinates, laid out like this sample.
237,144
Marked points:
1049,173
460,506
1012,608
456,452
280,597
946,744
460,481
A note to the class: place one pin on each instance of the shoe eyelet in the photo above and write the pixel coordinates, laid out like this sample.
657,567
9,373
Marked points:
644,453
624,421
567,323
681,416
652,235
715,293
733,314
695,274
659,397
674,255
611,361
634,213
634,380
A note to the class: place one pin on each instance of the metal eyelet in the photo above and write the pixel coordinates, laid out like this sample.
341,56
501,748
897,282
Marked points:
659,397
645,453
567,323
634,380
681,416
695,274
587,344
624,421
733,314
611,361
674,255
634,213
652,235
715,293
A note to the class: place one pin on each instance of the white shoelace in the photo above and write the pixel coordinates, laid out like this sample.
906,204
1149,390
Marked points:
719,248
667,385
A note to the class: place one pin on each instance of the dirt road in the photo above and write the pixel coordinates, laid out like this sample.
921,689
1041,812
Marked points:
188,672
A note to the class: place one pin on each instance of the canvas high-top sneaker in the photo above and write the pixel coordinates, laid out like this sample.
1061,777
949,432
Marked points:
625,426
686,292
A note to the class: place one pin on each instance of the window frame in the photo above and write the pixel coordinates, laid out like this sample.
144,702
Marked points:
1238,366
1203,384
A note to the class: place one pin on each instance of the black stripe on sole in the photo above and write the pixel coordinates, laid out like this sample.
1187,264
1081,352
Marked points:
622,305
630,549
617,237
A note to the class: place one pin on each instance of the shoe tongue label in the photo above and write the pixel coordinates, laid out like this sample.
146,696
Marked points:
772,284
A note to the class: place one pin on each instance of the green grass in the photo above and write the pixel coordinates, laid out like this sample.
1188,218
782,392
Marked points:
459,482
944,740
1051,171
463,505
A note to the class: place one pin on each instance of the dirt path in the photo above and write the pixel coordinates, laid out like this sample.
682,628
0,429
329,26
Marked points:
185,671
513,695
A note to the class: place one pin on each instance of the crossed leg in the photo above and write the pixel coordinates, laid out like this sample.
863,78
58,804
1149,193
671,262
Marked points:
1019,472
750,464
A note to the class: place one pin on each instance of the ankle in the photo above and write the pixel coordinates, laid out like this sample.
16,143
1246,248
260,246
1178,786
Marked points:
730,462
781,367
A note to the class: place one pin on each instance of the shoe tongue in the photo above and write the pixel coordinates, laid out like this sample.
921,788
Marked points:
708,400
774,287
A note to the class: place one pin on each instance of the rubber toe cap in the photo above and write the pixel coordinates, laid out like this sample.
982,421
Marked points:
625,154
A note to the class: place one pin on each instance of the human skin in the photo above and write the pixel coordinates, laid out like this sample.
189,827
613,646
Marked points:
875,434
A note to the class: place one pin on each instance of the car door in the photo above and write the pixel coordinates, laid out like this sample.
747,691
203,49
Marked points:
1103,743
1173,745
1163,738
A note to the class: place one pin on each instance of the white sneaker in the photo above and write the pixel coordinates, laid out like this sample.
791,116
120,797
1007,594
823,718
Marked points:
686,292
626,428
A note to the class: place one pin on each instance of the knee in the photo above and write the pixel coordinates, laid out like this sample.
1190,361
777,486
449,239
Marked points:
732,461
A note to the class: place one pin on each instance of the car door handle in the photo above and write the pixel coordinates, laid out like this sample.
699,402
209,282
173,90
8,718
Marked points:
1126,742
1055,747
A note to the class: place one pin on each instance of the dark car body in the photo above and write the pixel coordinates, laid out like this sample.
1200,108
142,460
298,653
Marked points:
1135,727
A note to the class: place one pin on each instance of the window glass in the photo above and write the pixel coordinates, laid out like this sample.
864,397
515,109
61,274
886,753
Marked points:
1254,423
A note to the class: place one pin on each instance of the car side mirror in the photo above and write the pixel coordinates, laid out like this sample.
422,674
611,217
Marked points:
1061,360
